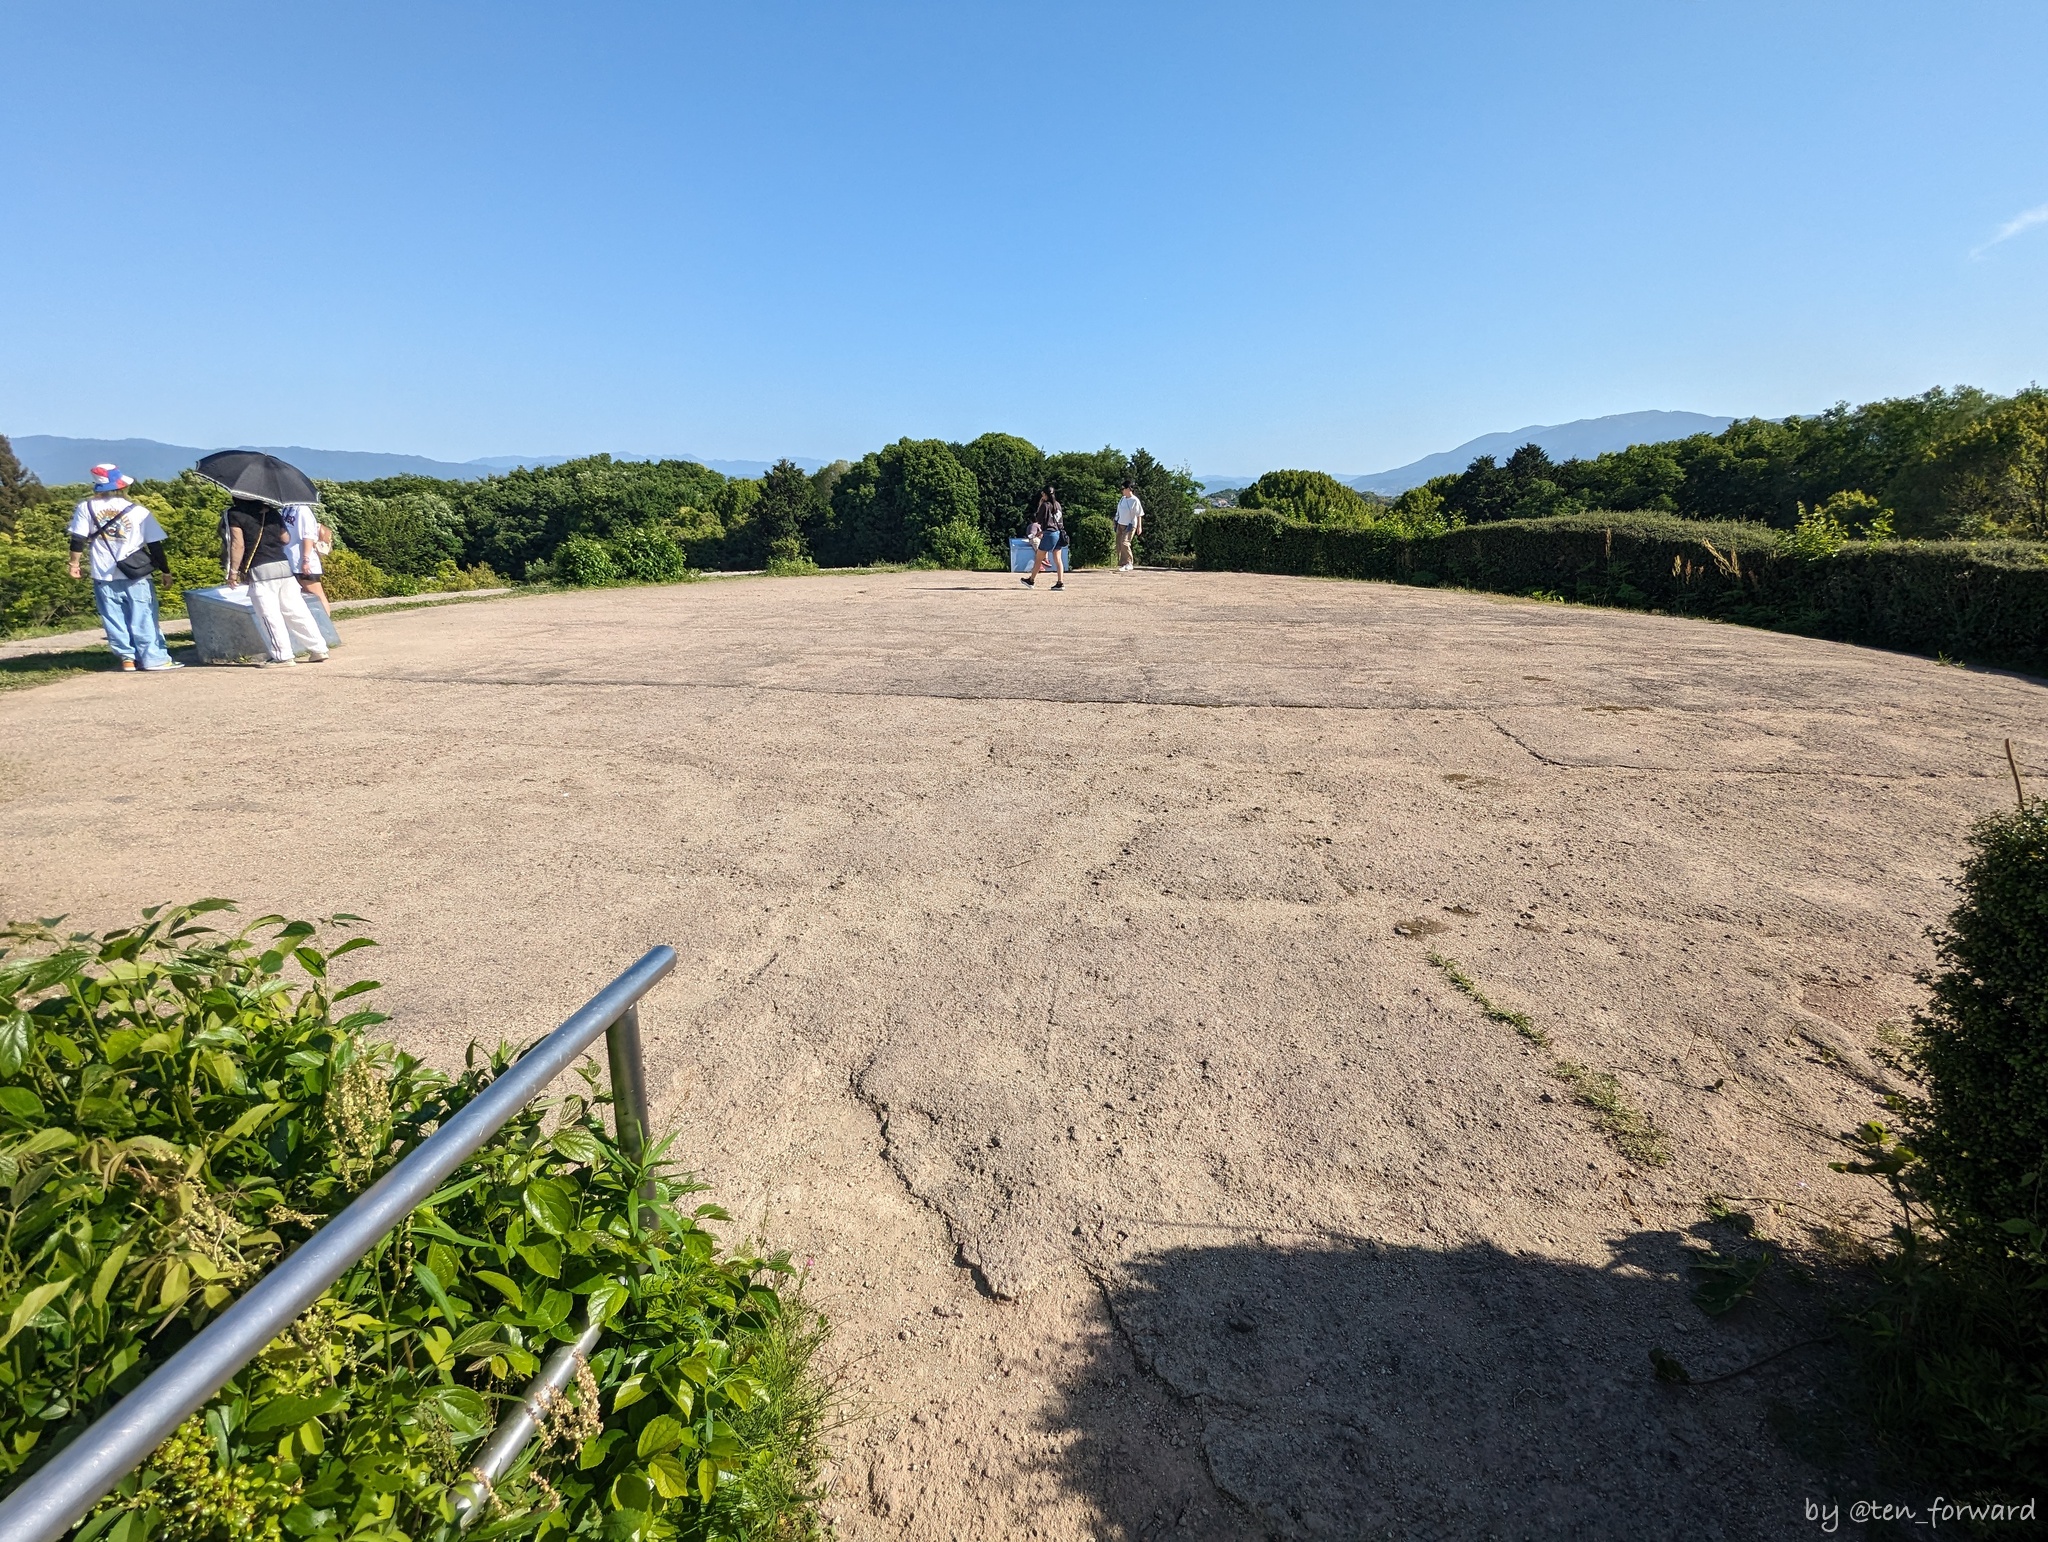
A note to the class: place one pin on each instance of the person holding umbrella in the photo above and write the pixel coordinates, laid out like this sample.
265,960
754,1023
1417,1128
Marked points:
258,537
125,545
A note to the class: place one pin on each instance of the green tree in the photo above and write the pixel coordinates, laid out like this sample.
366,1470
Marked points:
1314,496
890,505
19,487
412,531
1008,475
786,512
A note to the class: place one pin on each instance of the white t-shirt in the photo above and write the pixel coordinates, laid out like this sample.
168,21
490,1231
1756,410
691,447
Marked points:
133,527
1128,510
301,525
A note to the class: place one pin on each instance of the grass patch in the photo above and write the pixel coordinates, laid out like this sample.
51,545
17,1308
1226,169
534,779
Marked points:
1632,1131
1627,1126
1519,1021
33,669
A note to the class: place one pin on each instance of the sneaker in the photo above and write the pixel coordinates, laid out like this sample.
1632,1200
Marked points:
1028,581
127,665
1061,584
316,658
1125,568
167,664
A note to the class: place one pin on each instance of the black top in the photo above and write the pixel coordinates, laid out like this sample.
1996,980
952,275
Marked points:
264,537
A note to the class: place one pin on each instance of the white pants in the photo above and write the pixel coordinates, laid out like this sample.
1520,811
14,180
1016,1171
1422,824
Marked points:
282,617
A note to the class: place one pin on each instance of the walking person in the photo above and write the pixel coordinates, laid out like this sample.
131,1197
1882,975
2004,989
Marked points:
305,536
1130,524
1051,521
258,554
125,545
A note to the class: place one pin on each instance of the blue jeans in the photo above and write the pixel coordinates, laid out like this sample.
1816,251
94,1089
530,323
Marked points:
127,609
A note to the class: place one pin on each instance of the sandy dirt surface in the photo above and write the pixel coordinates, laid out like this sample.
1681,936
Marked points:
1056,975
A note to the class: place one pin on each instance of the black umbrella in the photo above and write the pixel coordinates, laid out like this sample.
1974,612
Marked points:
264,478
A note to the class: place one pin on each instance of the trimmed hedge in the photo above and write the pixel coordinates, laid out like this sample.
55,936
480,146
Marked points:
1976,599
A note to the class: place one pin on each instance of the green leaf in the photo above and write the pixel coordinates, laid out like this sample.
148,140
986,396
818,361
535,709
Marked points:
431,1282
550,1205
252,1119
504,1287
466,1413
578,1146
606,1300
281,1412
707,1481
671,1477
14,1042
663,1433
544,1254
311,961
110,1271
356,989
596,1448
24,1105
631,1390
31,1305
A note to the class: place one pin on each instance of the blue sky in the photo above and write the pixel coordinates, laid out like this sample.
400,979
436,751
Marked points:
1243,236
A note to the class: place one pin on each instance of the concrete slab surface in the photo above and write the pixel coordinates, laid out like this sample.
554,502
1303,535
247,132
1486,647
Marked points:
1056,976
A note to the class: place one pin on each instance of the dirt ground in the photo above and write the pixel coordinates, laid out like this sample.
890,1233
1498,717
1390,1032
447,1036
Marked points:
1056,976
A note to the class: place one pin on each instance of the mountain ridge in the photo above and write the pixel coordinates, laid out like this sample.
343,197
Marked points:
57,459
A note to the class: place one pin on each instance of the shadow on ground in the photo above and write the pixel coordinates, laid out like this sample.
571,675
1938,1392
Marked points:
29,669
1374,1391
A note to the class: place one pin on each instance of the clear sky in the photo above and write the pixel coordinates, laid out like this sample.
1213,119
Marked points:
1243,236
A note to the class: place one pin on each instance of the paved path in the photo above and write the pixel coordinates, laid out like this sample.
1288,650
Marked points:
1056,975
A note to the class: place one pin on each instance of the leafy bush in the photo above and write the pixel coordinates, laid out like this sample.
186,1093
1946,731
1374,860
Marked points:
37,589
346,575
788,559
1094,538
649,556
176,1114
1981,600
1982,1138
582,560
1957,1336
959,545
1313,496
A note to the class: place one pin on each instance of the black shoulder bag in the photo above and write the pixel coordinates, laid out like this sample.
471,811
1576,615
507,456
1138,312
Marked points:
137,563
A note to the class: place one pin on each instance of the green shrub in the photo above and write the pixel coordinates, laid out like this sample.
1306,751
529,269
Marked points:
1957,1335
788,559
1094,538
1982,1138
649,556
959,544
583,560
1984,600
410,532
37,589
175,1114
346,575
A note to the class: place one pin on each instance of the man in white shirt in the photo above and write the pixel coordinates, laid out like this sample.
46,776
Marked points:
124,544
1130,521
304,527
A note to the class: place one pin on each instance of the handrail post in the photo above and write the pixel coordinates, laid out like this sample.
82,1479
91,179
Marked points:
629,1084
508,1442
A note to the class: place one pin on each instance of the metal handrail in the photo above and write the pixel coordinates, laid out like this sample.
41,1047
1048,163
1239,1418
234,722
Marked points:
59,1493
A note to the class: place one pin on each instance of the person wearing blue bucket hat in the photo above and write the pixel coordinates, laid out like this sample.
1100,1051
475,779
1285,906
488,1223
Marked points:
125,545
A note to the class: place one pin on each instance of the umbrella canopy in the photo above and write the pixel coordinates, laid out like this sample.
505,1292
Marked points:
252,474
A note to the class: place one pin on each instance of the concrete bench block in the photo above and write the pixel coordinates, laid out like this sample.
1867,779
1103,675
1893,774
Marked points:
224,628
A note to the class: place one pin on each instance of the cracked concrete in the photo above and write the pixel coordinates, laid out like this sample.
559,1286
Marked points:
1041,984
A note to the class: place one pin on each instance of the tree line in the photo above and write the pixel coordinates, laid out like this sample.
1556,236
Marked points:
1958,463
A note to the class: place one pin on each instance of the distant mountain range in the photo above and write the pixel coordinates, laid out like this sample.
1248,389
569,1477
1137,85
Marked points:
56,459
1583,438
